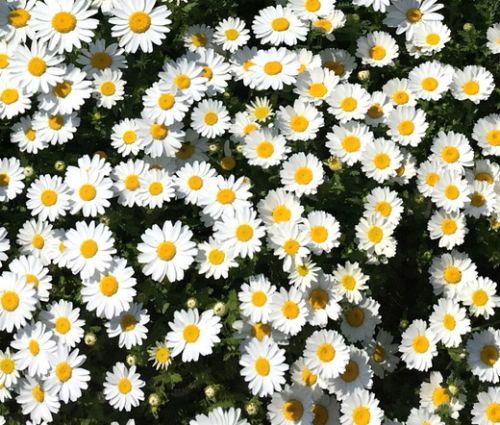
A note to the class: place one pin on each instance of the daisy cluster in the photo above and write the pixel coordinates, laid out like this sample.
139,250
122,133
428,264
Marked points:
242,202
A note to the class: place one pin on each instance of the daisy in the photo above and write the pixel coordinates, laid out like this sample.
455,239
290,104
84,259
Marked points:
241,232
301,121
428,175
291,406
67,95
193,334
315,85
55,129
191,179
187,76
405,15
260,109
14,100
90,192
166,251
385,203
359,320
324,231
492,35
160,355
288,311
486,411
215,70
129,326
125,137
263,366
473,82
243,125
126,176
156,187
122,388
33,238
379,109
9,373
339,61
382,353
219,416
163,104
17,22
66,375
377,49
302,375
255,298
452,150
210,118
32,271
35,347
311,9
399,92
11,178
484,171
215,259
350,281
279,206
139,24
451,192
4,244
361,407
64,24
328,23
26,137
482,200
304,274
198,37
48,197
449,322
302,174
430,80
348,141
434,394
418,346
348,102
483,349
64,321
374,235
449,228
108,88
38,400
273,68
407,125
451,272
279,25
481,297
242,60
289,242
265,147
422,416
431,37
326,409
322,301
159,139
90,248
486,133
231,34
98,57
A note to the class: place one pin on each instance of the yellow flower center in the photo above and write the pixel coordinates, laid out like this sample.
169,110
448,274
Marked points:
450,154
477,199
320,413
18,18
291,246
10,96
101,60
63,89
63,371
452,274
10,300
351,143
280,24
493,412
375,234
318,299
191,333
293,410
231,34
259,298
378,52
249,128
451,192
361,415
32,279
139,22
281,213
131,182
62,325
290,310
128,322
312,5
484,177
479,298
262,366
38,393
317,90
355,317
440,396
299,123
38,241
420,344
381,161
7,365
210,118
432,39
264,149
48,197
449,322
88,248
182,81
384,208
489,355
195,182
199,39
155,188
493,137
318,234
429,84
108,285
348,282
431,179
124,386
162,355
325,352
158,131
166,250
400,97
308,378
260,330
375,111
37,66
302,270
244,232
273,68
471,88
4,61
406,127
166,101
87,192
216,257
303,175
226,196
351,372
56,122
261,112
34,347
414,15
378,354
108,88
448,226
348,104
64,22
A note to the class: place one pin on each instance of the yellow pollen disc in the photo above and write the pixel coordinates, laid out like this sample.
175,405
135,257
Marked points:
378,52
318,234
264,149
355,317
262,366
493,137
451,192
64,22
477,199
7,365
420,344
308,378
185,151
166,250
431,179
128,322
108,285
195,182
281,213
227,163
9,96
216,257
351,372
318,299
226,196
450,154
62,325
261,112
87,192
452,274
32,279
34,347
124,386
108,88
88,248
337,67
290,310
448,226
493,412
199,39
299,123
320,414
231,34
303,175
211,118
37,241
10,300
182,81
162,355
48,197
131,182
378,354
101,60
325,24
273,68
432,39
63,371
280,24
244,232
489,355
259,298
384,208
317,90
37,66
440,396
293,410
312,5
4,61
166,101
471,88
414,15
249,128
361,415
155,188
351,143
18,18
260,330
56,122
406,127
429,84
479,298
449,322
38,394
381,161
348,104
325,352
139,22
63,89
375,234
247,65
302,270
191,333
400,97
158,131
291,246
375,111
348,282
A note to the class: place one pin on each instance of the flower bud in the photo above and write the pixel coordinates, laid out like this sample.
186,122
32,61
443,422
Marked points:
59,165
364,75
252,408
468,27
210,392
154,400
131,359
90,339
28,171
220,309
192,302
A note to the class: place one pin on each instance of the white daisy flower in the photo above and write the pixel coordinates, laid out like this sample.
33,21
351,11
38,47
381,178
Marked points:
302,174
348,141
407,125
38,400
122,388
231,34
279,25
430,80
288,311
377,49
33,239
399,92
486,411
129,326
48,197
32,271
473,82
359,320
125,137
272,69
449,322
210,118
302,121
348,102
481,297
449,228
64,321
55,129
486,133
215,259
418,346
98,56
483,349
11,178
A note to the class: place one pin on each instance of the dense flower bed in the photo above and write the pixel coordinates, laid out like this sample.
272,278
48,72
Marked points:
245,212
